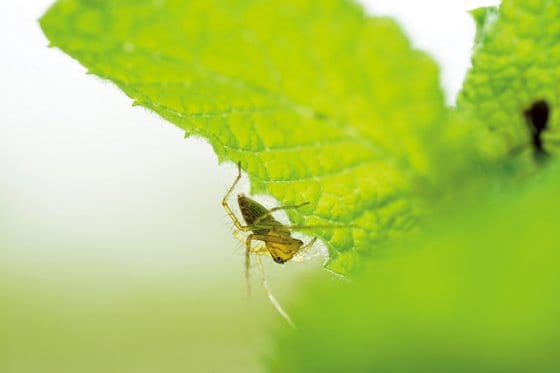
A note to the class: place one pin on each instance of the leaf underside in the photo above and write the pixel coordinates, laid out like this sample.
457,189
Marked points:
318,101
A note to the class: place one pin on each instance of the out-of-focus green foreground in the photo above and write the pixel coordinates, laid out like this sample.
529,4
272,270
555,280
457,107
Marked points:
147,327
480,294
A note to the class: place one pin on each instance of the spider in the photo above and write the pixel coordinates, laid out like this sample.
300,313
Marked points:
275,236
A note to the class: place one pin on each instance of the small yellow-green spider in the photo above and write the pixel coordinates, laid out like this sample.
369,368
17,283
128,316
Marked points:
276,237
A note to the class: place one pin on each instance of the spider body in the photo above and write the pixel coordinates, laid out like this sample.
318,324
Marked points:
277,238
275,235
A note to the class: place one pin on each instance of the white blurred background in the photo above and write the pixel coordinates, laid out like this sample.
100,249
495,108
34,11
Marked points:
97,195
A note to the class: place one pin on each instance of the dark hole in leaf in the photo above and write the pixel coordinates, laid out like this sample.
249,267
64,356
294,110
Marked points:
537,118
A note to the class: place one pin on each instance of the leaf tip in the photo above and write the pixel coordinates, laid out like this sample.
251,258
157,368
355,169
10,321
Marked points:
483,17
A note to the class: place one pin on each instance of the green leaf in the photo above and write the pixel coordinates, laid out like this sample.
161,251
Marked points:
319,102
515,65
480,294
484,18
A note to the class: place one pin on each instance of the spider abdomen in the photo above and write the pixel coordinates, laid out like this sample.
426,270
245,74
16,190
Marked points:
256,215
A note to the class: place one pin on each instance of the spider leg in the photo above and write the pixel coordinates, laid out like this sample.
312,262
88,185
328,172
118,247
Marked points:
271,297
295,226
263,250
259,250
269,212
303,227
225,204
301,255
248,265
248,250
309,244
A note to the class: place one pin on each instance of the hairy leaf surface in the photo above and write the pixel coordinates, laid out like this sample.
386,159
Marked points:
318,101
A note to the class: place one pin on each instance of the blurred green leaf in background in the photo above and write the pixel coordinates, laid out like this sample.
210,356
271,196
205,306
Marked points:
515,64
479,294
